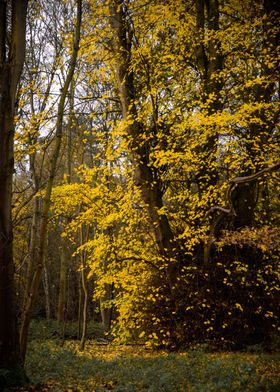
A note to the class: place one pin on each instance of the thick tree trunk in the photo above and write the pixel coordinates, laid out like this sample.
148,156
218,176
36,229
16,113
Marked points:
10,70
106,313
244,201
210,62
8,334
146,176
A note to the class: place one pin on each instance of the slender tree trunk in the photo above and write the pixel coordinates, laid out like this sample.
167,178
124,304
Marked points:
84,329
65,255
26,317
46,285
62,283
32,247
85,290
80,308
11,64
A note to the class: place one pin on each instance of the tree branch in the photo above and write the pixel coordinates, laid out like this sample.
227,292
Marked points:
242,180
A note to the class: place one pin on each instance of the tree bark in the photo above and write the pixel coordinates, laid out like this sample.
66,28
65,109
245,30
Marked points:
146,176
46,285
210,62
79,333
65,255
106,313
11,64
84,238
62,283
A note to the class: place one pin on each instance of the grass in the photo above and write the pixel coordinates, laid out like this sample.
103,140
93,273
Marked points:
50,329
105,367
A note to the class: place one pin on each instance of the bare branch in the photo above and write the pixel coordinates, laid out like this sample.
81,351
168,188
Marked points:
242,180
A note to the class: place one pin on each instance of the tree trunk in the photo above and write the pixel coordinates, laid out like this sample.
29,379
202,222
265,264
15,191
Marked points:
146,176
210,64
11,64
64,253
85,289
62,283
244,200
106,313
46,285
84,329
79,334
32,246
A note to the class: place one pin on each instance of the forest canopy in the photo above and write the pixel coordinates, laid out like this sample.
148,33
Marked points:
145,191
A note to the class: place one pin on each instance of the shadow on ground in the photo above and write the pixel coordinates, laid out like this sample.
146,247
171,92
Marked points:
53,367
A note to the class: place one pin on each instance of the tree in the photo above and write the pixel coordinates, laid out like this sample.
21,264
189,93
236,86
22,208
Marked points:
12,53
39,264
192,119
167,170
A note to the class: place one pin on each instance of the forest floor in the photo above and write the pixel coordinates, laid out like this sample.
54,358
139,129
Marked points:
53,366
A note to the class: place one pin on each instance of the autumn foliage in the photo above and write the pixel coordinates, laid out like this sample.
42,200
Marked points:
165,193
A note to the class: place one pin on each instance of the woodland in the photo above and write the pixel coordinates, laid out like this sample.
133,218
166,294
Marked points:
139,195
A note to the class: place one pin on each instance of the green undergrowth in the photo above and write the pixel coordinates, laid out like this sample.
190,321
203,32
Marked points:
42,329
105,367
53,364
